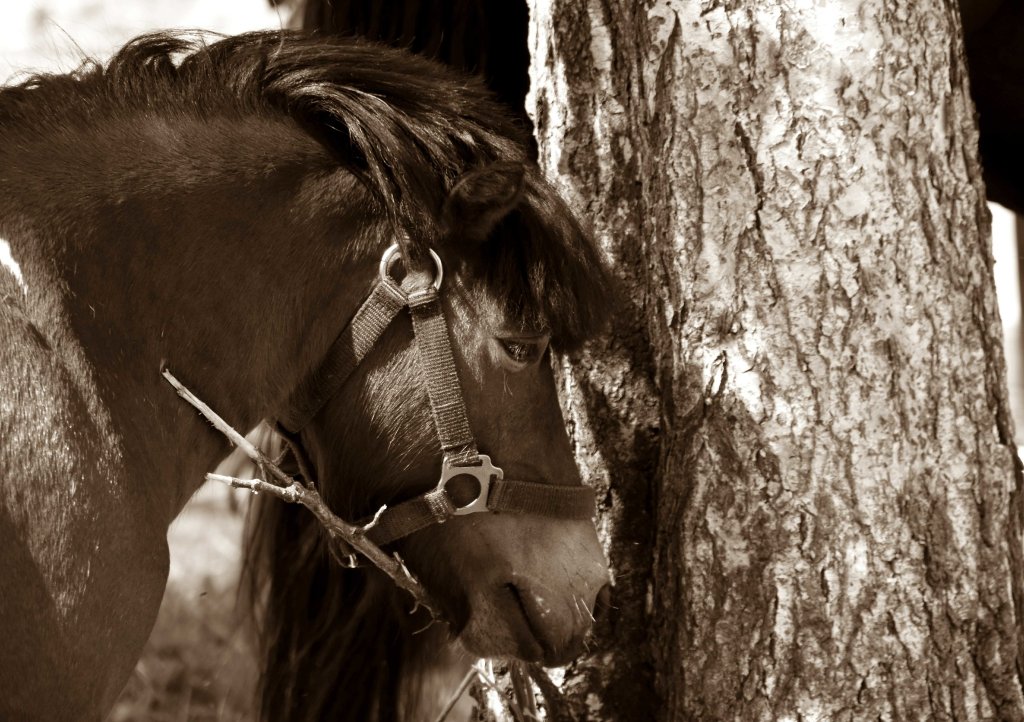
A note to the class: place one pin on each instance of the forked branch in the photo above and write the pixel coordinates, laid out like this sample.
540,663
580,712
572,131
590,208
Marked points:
521,705
291,490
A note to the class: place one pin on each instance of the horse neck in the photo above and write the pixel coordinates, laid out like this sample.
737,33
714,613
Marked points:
201,247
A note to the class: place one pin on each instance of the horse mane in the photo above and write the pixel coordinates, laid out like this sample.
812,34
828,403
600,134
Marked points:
335,643
406,126
383,112
482,37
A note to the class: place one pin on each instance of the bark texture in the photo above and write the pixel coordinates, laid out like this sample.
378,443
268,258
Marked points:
800,423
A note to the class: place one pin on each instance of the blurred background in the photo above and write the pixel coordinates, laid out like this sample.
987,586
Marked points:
54,34
198,664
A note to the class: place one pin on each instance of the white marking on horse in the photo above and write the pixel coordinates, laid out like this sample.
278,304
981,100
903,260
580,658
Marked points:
8,262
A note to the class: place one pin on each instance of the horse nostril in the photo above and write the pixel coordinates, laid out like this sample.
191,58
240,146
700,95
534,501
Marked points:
544,627
527,613
517,595
603,604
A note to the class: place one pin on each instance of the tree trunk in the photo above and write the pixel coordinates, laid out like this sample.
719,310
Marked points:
800,424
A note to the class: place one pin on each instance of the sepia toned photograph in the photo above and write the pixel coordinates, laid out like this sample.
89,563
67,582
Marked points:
511,361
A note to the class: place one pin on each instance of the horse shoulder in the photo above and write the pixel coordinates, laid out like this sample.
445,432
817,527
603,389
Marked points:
67,530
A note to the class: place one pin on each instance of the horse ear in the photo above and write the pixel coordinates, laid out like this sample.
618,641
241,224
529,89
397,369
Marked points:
481,198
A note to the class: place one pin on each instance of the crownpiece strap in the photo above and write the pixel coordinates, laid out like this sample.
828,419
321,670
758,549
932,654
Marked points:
346,353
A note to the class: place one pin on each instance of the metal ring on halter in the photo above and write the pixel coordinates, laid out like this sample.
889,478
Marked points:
392,254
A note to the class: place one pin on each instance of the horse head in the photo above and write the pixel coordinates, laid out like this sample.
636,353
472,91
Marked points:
512,584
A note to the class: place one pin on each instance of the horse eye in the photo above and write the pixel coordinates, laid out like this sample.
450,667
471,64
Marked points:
523,351
518,351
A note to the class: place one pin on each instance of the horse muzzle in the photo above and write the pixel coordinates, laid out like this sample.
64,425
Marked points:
556,629
544,586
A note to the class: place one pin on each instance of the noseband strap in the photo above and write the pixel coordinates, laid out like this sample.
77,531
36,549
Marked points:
460,455
501,495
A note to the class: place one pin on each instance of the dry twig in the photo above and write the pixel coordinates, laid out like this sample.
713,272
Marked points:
289,489
471,675
525,707
558,709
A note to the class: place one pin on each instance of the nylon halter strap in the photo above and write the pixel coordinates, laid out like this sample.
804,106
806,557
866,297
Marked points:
460,455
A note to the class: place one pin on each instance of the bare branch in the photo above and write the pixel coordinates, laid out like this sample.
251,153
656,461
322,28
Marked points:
288,489
489,697
457,695
287,493
225,428
558,708
525,701
375,520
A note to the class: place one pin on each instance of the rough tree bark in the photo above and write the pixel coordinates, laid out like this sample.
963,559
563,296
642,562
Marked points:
812,501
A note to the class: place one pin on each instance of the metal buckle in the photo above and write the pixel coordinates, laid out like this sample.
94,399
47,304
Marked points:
387,261
482,472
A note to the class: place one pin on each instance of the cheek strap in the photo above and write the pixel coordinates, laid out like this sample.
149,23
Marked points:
460,455
434,346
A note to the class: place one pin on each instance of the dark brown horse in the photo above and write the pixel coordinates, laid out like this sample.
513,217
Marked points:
221,210
993,40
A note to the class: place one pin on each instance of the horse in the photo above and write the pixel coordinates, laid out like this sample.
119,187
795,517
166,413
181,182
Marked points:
993,34
225,211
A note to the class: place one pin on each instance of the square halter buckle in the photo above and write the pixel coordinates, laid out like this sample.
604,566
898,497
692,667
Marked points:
482,470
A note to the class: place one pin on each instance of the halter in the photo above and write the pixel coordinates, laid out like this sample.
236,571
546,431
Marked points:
460,455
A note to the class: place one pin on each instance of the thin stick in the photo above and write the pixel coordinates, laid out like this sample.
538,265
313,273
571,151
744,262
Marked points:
290,490
463,685
558,708
225,428
490,698
526,703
